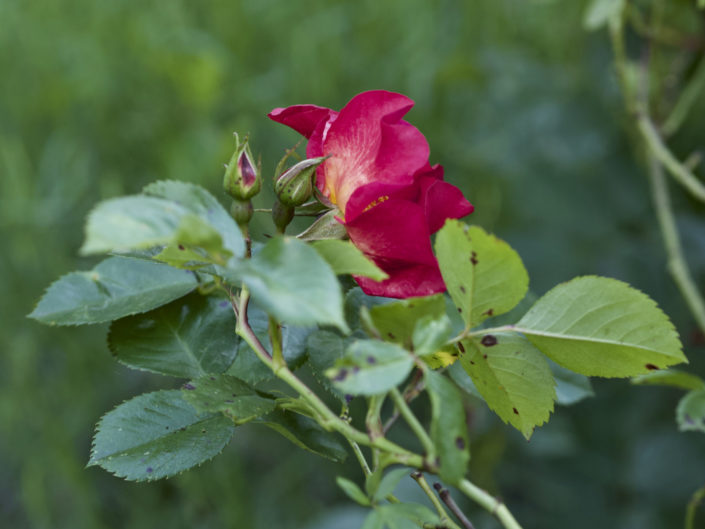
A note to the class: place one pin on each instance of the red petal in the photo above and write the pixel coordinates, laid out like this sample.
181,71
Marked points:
440,201
393,232
407,282
371,195
369,142
302,118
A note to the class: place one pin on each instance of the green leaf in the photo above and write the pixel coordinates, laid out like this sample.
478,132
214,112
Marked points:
200,202
229,395
602,327
324,227
187,338
395,322
571,387
430,334
690,413
405,516
352,491
371,367
248,367
600,12
116,288
484,275
344,258
325,348
291,281
305,433
157,435
670,377
194,244
513,378
388,483
132,222
449,431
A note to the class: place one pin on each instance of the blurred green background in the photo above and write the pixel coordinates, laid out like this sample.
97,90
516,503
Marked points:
517,101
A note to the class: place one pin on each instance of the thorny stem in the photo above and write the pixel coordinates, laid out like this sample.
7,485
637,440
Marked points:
676,262
659,156
490,503
445,520
691,509
413,423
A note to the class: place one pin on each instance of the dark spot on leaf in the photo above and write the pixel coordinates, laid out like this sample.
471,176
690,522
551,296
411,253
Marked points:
212,378
188,386
182,429
181,247
515,411
150,470
203,431
371,359
355,369
461,347
411,305
484,356
348,398
341,375
473,258
229,401
488,340
460,310
460,443
166,427
650,367
462,289
391,336
472,363
234,394
489,312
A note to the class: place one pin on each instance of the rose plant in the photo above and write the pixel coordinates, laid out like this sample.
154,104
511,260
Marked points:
190,295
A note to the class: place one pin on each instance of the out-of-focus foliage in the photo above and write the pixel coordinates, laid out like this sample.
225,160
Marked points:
518,102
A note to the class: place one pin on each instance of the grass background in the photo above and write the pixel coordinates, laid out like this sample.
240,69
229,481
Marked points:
518,102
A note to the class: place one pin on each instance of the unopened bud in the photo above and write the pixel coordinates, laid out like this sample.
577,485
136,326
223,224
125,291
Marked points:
241,211
282,215
295,185
242,178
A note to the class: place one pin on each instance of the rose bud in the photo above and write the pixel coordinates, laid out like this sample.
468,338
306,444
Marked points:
242,178
282,215
295,185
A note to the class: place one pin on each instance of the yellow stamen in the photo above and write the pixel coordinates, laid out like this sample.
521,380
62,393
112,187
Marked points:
376,202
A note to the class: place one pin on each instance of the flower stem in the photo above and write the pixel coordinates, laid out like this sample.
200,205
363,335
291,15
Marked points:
488,502
413,423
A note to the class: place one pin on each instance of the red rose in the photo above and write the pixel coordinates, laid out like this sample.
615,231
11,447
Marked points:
390,199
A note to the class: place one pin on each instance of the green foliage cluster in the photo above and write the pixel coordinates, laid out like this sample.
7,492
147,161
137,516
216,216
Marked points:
520,108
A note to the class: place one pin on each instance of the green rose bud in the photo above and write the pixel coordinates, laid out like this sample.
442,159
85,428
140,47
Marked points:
242,178
295,185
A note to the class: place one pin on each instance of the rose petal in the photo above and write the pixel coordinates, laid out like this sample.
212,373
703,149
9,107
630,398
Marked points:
373,194
394,231
369,142
406,282
440,201
302,118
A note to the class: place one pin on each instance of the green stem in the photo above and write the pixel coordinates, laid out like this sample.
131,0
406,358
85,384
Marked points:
413,423
660,150
360,458
488,502
685,102
326,418
677,265
445,519
275,337
691,509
